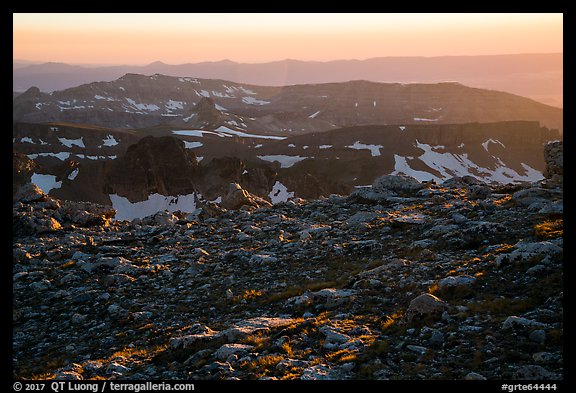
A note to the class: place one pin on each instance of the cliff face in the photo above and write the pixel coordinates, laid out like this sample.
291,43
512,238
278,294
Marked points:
305,166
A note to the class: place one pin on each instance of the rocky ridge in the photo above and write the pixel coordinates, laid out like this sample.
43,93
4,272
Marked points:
136,101
457,280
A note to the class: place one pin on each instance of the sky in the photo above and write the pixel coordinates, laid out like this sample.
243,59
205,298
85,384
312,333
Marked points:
138,39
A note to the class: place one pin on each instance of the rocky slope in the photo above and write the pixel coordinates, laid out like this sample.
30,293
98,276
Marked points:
135,101
406,280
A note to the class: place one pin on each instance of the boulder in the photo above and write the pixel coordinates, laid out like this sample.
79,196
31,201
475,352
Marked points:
456,281
535,372
388,187
397,184
232,349
30,193
425,306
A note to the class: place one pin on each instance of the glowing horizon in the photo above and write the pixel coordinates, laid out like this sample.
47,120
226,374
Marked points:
139,39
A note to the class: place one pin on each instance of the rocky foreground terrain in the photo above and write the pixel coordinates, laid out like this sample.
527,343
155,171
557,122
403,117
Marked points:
404,280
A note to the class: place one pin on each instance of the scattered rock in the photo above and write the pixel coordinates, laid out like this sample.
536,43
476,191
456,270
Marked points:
535,372
472,376
515,321
456,281
232,349
324,289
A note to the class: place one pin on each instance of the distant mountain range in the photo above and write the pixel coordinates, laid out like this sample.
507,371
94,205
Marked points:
537,76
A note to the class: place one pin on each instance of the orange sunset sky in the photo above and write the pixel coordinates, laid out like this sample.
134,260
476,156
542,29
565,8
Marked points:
252,38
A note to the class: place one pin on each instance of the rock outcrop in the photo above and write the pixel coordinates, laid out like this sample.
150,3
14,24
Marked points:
554,158
237,198
35,213
153,165
22,170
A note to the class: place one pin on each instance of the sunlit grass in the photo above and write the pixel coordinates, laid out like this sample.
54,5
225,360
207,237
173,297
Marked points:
505,200
549,229
260,341
249,295
390,320
288,349
263,365
342,356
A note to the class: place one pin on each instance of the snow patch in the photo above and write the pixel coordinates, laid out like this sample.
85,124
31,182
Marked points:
143,107
254,101
198,133
374,149
64,155
325,146
173,105
280,193
424,119
247,91
401,166
285,161
126,210
26,140
485,144
221,95
187,119
96,157
45,182
191,80
192,145
70,142
109,141
314,115
99,97
73,175
227,130
449,165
